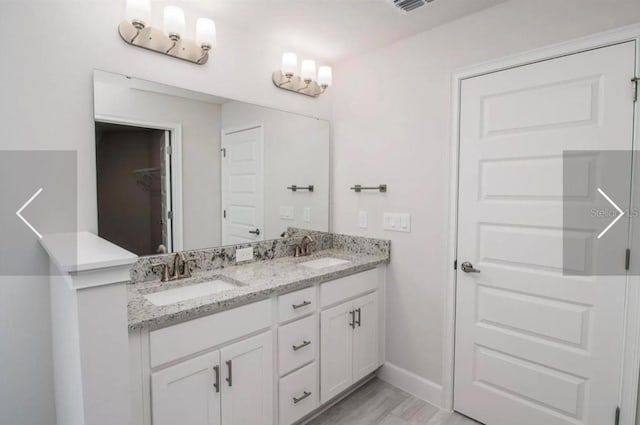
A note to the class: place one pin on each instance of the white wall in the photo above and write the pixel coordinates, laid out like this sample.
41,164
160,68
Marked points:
296,151
391,121
46,103
200,123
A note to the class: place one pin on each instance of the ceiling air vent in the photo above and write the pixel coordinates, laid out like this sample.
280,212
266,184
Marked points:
409,5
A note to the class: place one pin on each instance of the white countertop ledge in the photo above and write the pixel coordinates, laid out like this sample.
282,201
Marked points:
84,252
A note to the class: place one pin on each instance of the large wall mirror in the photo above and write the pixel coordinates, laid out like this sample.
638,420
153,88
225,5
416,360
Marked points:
180,170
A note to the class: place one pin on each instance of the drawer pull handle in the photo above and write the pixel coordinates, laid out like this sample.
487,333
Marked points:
304,344
359,311
353,319
297,400
216,384
303,304
230,369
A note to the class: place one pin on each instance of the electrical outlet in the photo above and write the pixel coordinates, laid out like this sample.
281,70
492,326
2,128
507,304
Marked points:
307,215
363,219
397,222
244,254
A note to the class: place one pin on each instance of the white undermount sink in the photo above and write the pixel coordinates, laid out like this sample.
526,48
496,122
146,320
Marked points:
184,293
322,263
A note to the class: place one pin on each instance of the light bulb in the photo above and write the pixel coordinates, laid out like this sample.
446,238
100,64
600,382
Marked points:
206,33
138,12
174,24
289,64
308,70
325,77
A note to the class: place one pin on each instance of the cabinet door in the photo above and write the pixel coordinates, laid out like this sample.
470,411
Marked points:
186,393
365,336
247,390
336,350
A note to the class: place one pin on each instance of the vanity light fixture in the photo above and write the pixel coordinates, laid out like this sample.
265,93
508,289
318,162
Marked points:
137,31
308,82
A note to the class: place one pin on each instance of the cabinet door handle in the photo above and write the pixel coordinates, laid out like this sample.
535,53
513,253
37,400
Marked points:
304,395
359,317
216,384
230,371
304,344
302,304
353,319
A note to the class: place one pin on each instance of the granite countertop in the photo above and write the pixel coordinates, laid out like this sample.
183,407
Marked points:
256,281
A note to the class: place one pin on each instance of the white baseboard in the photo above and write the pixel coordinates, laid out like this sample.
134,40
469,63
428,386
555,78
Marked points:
415,385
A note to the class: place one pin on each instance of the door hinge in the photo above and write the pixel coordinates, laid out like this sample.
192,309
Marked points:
627,259
617,416
170,215
455,264
224,152
634,87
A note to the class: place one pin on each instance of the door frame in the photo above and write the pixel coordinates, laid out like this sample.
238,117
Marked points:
223,133
628,393
176,167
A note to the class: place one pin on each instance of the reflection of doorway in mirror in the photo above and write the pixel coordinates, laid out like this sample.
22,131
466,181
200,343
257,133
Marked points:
242,184
134,187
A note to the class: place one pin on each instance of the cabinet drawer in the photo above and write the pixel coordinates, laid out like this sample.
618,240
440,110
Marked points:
297,344
296,304
298,394
183,339
344,288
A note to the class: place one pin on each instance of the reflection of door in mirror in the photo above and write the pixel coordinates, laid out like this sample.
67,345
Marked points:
242,185
134,187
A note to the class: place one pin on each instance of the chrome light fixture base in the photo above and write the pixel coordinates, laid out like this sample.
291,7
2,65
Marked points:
155,40
296,84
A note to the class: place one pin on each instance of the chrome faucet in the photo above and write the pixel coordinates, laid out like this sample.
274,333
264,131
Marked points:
179,260
304,248
181,268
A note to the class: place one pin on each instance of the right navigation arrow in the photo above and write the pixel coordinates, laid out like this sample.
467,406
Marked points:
618,217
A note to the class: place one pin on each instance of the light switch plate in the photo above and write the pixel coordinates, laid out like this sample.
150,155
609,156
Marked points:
363,219
307,214
397,222
286,213
244,254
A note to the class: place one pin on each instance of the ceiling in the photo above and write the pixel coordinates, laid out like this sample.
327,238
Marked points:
333,30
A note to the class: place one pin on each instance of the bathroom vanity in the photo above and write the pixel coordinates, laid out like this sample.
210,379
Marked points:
256,331
268,342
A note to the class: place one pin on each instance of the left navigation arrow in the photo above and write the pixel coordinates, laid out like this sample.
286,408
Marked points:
33,229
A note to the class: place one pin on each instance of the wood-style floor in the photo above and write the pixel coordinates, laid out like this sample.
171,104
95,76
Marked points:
378,403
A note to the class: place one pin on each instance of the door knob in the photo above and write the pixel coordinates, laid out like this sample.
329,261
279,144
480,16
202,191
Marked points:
467,267
255,232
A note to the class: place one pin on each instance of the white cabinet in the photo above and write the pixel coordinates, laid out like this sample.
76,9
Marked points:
365,336
248,384
349,344
298,394
297,343
336,336
232,386
220,369
186,393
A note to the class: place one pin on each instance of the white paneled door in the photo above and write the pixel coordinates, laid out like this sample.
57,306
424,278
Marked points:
535,346
242,185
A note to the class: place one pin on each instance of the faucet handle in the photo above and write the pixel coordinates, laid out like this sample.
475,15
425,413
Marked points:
165,270
187,266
